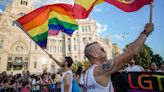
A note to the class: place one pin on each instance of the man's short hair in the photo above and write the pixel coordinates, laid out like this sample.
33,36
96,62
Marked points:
69,61
89,49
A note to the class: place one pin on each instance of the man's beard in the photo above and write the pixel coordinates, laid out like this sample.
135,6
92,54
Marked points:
63,65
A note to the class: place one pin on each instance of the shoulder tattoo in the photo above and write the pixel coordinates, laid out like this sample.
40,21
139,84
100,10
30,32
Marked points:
107,65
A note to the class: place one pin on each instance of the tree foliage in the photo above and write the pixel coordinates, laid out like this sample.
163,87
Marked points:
146,55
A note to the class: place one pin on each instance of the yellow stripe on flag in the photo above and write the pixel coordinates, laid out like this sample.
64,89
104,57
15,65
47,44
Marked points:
85,3
39,30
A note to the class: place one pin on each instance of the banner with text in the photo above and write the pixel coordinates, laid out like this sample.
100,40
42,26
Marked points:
138,82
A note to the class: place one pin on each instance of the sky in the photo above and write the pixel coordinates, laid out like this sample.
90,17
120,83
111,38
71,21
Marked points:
120,26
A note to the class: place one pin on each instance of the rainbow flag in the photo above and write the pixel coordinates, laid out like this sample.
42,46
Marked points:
48,20
127,5
82,8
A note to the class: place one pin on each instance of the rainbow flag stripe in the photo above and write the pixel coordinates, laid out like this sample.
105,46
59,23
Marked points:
48,20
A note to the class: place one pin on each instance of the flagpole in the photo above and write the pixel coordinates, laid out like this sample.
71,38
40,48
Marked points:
45,51
151,11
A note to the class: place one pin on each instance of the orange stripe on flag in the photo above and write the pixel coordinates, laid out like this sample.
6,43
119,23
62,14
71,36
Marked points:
38,20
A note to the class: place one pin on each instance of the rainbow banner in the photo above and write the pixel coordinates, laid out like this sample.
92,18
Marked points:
48,20
127,5
138,82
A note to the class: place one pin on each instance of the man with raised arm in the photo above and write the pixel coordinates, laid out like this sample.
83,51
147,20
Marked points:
98,76
67,76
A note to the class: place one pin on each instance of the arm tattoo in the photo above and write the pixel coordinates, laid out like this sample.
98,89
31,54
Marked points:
107,65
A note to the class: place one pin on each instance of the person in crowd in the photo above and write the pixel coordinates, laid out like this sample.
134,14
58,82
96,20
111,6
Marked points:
52,86
98,76
10,84
1,84
134,68
67,76
4,74
34,81
58,81
25,86
161,68
78,73
153,67
45,82
80,77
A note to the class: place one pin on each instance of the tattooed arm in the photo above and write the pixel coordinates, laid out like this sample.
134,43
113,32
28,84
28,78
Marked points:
133,49
108,65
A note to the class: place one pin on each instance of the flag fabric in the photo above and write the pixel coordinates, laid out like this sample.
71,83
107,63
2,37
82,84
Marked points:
51,19
48,20
127,5
82,8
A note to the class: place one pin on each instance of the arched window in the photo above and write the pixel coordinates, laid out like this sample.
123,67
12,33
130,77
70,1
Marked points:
9,59
18,46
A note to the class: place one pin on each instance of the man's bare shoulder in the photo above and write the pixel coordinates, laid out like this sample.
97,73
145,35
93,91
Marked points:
67,76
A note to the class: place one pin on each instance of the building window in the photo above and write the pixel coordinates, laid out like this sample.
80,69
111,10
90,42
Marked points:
1,44
26,2
19,48
75,58
35,64
9,59
58,49
55,49
69,40
55,41
18,60
69,47
51,49
74,47
35,47
26,59
86,29
74,40
21,2
90,39
84,39
61,49
83,29
25,65
89,28
9,66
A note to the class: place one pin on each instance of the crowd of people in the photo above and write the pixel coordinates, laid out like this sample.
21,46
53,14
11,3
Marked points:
51,82
27,82
95,79
153,67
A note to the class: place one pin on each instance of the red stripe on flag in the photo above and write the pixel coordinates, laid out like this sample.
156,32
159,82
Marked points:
129,7
80,12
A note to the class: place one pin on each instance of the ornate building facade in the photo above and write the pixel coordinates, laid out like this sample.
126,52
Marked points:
18,52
